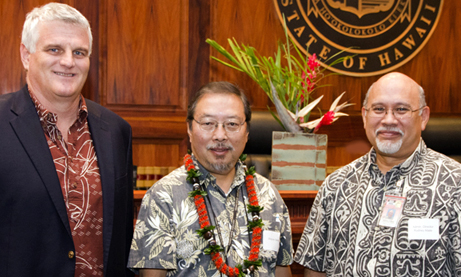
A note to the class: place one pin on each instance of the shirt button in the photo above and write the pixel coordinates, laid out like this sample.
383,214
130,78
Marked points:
74,185
71,254
376,228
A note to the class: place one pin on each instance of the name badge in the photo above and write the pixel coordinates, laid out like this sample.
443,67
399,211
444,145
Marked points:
271,240
423,228
391,210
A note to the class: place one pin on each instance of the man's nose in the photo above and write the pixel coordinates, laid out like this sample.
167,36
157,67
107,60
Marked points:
220,133
389,117
67,59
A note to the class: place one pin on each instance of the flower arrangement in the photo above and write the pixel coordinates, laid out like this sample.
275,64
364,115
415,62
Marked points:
288,84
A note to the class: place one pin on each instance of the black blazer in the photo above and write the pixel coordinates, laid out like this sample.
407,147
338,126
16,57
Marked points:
35,236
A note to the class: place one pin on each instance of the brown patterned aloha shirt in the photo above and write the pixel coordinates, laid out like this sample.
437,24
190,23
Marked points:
343,236
77,168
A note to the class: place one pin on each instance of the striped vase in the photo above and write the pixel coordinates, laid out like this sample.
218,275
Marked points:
298,160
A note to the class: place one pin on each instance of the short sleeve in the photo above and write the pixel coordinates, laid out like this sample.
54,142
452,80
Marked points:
455,231
285,254
153,244
312,245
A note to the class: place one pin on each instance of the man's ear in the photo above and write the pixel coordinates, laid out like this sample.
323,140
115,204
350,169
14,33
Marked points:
25,56
189,131
425,113
364,117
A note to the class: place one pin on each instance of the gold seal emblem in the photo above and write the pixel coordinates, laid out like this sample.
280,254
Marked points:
381,35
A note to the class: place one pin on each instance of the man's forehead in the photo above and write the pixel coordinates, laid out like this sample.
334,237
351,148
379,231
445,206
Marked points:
220,105
393,95
53,28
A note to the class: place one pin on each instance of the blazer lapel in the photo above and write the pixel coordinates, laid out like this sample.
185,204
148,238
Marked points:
102,141
27,127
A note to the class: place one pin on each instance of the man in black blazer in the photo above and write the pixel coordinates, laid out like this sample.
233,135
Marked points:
65,162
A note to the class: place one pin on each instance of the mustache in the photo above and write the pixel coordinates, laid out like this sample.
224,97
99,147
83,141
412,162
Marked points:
220,145
391,129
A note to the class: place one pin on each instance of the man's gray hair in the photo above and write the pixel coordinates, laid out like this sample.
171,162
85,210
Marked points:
50,12
422,97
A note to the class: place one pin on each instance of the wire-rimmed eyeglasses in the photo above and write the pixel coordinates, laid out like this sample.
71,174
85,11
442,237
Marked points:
400,112
209,125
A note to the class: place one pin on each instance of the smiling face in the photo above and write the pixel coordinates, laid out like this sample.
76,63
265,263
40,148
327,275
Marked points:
58,69
218,151
389,135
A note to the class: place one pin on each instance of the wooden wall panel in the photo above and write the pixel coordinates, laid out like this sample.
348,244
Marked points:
150,56
144,63
12,73
436,67
145,154
252,23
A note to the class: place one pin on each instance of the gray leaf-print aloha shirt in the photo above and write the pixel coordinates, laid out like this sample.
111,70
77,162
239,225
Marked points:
165,234
343,238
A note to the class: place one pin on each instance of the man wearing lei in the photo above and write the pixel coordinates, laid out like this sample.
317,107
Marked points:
213,216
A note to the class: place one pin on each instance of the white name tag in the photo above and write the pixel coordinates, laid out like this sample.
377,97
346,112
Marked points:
271,240
423,228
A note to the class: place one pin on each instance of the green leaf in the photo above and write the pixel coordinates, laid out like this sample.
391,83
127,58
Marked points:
284,70
204,230
197,192
250,171
213,249
254,224
252,208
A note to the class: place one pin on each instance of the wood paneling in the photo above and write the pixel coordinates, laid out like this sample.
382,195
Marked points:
436,67
12,73
149,57
252,23
169,152
145,64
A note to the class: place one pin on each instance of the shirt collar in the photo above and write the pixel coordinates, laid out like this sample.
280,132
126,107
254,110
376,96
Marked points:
406,165
48,118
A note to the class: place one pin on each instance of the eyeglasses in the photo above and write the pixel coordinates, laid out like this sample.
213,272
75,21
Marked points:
208,125
400,112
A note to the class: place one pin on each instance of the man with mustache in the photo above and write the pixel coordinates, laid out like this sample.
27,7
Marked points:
211,189
394,211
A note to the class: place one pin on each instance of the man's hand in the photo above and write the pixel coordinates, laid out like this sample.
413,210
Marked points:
311,273
150,272
282,271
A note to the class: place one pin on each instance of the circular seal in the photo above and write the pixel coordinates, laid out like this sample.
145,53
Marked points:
379,35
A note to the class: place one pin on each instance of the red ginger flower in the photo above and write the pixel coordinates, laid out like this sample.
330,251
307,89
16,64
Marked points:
313,63
327,119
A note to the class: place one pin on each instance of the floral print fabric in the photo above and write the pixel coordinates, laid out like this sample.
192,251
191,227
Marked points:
165,234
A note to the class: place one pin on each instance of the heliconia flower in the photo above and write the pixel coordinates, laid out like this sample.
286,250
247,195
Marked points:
331,116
